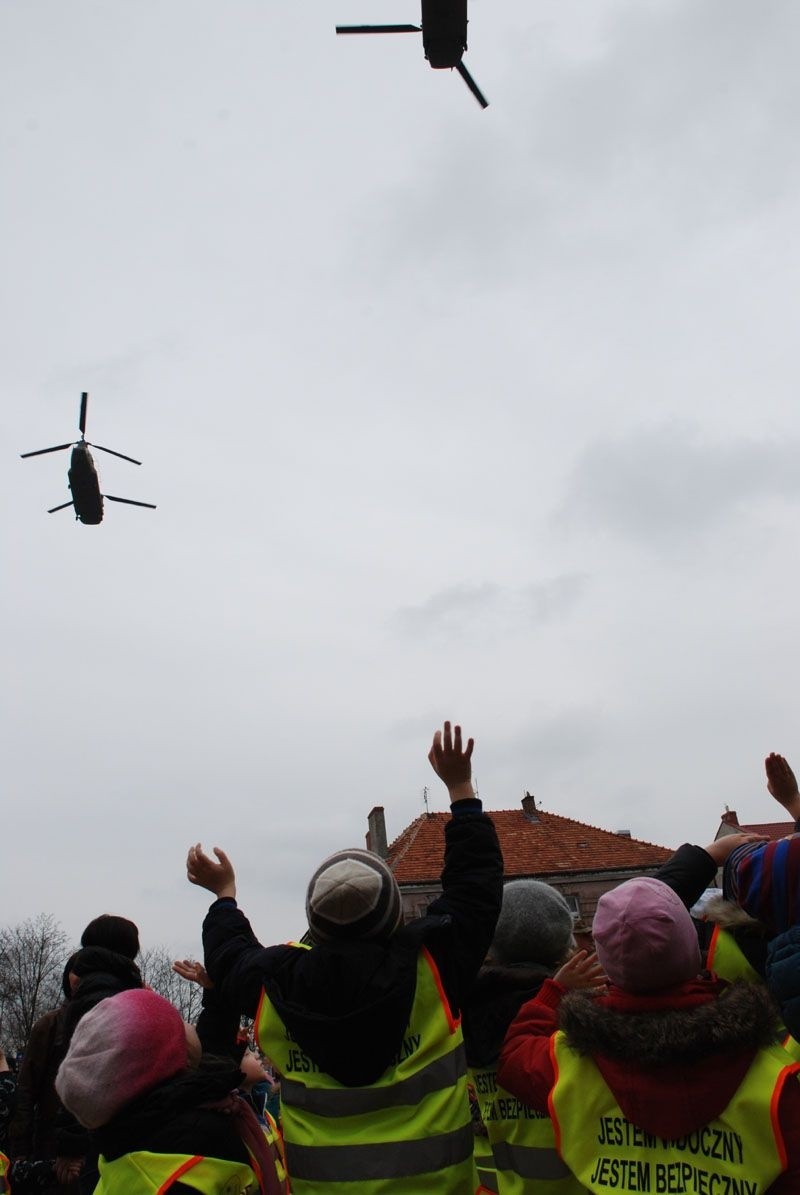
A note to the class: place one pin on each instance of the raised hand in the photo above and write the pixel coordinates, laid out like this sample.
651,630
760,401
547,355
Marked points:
581,971
782,784
218,878
452,763
189,968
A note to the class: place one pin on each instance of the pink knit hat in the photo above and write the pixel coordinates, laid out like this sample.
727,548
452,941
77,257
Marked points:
124,1046
644,937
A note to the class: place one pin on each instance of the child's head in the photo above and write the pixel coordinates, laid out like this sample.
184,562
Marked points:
644,937
126,1045
535,926
114,933
353,895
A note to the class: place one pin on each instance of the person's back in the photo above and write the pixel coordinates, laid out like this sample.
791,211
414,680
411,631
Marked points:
364,1027
532,940
156,1122
669,1078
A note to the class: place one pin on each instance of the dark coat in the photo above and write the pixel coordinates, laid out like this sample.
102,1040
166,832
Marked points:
347,1004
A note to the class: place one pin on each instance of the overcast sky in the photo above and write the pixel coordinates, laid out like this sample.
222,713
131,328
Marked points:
447,413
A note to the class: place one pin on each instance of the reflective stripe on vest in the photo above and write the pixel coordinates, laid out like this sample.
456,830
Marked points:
604,1149
141,1171
412,1123
727,959
522,1140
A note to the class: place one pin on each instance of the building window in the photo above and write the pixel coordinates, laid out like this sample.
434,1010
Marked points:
574,905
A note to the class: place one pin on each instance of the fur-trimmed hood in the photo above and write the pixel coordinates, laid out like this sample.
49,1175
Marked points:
742,1017
673,1060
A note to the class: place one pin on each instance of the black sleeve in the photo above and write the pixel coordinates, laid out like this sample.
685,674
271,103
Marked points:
218,1027
234,958
472,894
688,873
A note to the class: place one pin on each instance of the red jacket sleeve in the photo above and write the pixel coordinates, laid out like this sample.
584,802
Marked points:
525,1068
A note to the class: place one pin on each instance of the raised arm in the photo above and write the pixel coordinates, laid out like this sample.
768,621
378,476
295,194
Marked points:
235,961
472,877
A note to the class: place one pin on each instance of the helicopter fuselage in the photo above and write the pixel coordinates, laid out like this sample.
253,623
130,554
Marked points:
444,32
85,485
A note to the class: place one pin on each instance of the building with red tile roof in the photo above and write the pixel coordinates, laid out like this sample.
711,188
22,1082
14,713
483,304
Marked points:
730,824
582,861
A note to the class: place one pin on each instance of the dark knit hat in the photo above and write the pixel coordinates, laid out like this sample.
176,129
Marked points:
535,925
353,894
763,878
644,936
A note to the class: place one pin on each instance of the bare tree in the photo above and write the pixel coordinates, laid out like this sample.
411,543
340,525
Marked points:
32,958
155,964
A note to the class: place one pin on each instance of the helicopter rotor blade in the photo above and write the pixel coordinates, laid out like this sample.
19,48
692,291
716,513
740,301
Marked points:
129,501
42,451
113,453
63,506
82,420
472,85
379,29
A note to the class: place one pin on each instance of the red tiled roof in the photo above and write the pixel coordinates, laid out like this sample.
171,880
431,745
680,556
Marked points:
548,846
771,830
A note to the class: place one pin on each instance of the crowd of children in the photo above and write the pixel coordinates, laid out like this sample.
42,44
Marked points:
471,1050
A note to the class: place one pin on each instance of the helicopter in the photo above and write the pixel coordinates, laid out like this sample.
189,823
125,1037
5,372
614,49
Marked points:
86,499
444,37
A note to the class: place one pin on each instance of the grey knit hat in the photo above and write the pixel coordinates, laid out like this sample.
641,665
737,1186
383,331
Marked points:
353,894
535,925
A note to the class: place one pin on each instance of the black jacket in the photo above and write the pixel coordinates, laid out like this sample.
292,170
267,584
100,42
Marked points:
347,1004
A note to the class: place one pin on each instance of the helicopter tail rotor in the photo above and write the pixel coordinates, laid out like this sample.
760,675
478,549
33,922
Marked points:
472,85
82,419
129,501
42,451
379,29
111,452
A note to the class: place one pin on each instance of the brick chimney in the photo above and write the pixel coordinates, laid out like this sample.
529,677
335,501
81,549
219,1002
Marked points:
376,834
529,807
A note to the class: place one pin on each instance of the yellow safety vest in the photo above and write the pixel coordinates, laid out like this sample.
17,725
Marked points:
4,1165
484,1171
135,1173
142,1171
741,1151
727,960
409,1132
523,1143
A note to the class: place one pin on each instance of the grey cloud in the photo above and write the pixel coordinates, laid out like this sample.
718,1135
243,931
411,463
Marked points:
663,482
448,612
551,599
493,609
544,751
